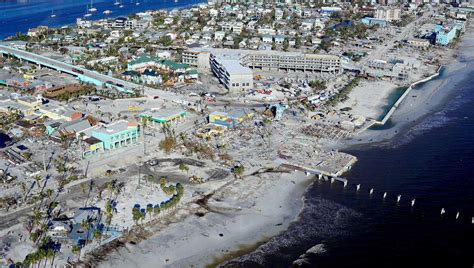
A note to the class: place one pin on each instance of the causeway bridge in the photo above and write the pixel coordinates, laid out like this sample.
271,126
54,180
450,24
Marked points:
82,74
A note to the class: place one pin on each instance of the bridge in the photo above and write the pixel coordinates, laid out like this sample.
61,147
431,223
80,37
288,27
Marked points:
82,74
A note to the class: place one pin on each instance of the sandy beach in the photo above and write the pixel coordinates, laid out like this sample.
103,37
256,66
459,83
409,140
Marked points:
242,214
422,100
249,215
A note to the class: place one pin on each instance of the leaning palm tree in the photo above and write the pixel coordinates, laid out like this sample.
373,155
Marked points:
37,178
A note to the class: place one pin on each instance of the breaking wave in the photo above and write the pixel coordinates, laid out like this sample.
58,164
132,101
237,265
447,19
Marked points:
435,120
319,220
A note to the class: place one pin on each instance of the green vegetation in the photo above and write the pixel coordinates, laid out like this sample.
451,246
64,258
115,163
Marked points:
317,85
238,170
19,37
342,95
169,190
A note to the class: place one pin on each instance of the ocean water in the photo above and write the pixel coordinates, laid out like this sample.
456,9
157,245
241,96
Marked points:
4,140
431,161
20,15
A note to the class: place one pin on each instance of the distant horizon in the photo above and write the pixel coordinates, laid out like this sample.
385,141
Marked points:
20,15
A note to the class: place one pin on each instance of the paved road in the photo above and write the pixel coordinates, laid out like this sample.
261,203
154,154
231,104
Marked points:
54,64
381,50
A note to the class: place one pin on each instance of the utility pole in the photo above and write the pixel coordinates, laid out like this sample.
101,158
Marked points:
144,139
44,162
139,175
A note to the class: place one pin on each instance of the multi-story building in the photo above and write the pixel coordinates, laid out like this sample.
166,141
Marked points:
231,73
388,13
446,34
114,135
373,21
278,61
198,59
268,60
230,119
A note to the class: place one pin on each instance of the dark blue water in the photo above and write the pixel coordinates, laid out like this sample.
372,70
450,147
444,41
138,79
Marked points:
20,15
4,140
436,167
431,161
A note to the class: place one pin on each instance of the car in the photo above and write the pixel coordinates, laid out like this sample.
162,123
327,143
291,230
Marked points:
156,97
77,71
119,85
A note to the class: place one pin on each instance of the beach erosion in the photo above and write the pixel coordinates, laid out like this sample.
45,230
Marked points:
244,214
260,217
423,100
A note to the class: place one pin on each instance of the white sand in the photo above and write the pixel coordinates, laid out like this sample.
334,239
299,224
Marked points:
249,211
369,98
424,101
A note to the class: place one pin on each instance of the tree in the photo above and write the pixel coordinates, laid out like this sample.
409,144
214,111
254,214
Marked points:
317,85
97,234
37,178
49,193
167,144
165,40
183,167
297,41
109,214
136,214
76,249
286,44
156,210
86,226
238,170
149,209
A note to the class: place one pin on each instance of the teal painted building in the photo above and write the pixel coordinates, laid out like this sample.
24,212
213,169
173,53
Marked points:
115,135
446,34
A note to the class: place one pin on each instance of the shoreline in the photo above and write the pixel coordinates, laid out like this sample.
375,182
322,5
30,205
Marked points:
418,104
425,98
4,37
403,106
233,225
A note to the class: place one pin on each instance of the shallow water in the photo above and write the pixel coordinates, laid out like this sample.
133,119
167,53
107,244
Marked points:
20,15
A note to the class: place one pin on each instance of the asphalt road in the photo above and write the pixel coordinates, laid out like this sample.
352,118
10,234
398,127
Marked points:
54,64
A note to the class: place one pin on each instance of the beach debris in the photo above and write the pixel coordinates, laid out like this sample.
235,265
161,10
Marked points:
384,195
457,215
443,211
413,202
398,198
358,187
371,191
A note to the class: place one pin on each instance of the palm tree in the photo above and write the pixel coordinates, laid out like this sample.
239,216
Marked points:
184,167
50,255
37,178
49,193
36,216
86,226
97,234
24,189
77,250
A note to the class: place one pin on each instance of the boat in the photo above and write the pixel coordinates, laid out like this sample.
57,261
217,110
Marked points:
116,3
87,12
121,4
52,14
107,12
137,3
92,9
